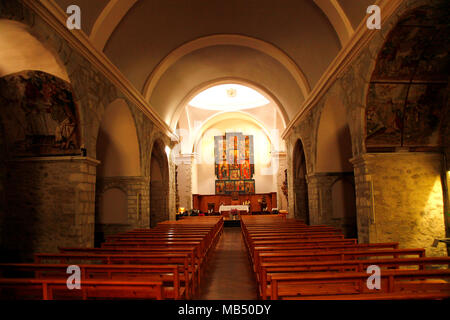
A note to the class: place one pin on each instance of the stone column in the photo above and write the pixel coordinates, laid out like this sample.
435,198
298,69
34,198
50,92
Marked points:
400,199
50,203
184,163
319,197
279,159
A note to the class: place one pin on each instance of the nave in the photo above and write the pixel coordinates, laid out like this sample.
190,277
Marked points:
229,274
194,258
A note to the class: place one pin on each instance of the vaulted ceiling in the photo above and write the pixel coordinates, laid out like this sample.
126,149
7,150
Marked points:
169,49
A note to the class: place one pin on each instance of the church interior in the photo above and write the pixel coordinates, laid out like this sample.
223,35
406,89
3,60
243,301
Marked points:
211,150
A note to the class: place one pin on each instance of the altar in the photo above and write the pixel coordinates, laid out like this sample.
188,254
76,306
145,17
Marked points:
224,208
206,202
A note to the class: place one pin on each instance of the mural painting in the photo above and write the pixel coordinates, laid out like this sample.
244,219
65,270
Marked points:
39,114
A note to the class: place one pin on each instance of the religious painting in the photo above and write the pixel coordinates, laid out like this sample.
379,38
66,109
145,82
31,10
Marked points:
384,114
245,170
220,187
235,174
407,102
401,53
247,154
223,171
241,186
234,162
39,114
423,113
250,187
229,186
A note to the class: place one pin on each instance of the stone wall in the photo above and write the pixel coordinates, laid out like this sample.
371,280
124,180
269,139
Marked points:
184,168
280,159
54,181
50,203
320,193
350,88
400,199
137,191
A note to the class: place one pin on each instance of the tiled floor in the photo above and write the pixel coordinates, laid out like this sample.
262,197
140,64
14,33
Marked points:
228,275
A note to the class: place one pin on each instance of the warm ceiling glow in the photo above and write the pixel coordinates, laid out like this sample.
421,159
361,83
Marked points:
167,149
228,97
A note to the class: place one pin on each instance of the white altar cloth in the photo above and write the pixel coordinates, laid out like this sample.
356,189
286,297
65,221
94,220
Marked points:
233,207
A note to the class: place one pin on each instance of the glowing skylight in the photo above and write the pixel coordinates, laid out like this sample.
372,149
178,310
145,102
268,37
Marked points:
228,97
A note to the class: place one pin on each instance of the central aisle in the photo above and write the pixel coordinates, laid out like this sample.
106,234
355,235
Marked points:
228,274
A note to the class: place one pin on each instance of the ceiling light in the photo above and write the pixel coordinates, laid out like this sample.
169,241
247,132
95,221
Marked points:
228,97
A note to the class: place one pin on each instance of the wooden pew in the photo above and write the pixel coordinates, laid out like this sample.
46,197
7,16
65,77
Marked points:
49,289
190,251
169,274
188,275
270,268
289,285
172,254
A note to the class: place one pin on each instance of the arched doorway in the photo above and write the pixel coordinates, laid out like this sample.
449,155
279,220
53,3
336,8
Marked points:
159,184
301,206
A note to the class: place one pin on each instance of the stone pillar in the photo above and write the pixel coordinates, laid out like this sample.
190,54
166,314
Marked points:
319,198
51,203
137,191
280,162
400,199
185,163
172,197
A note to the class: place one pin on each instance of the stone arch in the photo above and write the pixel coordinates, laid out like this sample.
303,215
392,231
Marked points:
300,187
333,169
159,184
32,75
120,167
22,50
245,82
333,138
405,129
406,98
117,142
227,39
40,119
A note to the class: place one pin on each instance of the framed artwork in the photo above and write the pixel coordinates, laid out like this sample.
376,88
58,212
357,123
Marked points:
250,186
245,170
235,174
220,187
241,186
223,171
233,154
229,186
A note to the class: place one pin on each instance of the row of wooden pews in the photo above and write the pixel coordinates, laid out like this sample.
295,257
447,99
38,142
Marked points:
293,261
165,262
